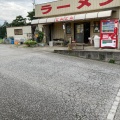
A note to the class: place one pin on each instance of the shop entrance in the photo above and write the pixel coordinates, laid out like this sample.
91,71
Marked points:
79,33
86,31
82,32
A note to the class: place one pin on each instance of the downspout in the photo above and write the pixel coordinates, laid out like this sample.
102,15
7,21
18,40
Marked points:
119,31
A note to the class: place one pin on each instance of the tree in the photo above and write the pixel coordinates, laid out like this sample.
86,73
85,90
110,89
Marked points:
6,24
3,29
31,15
19,21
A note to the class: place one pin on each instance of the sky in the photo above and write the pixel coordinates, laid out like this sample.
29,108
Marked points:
9,9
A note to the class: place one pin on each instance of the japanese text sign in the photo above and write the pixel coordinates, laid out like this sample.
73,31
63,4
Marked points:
64,18
73,6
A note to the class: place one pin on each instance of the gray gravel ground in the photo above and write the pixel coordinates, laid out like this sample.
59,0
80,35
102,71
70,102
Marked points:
40,85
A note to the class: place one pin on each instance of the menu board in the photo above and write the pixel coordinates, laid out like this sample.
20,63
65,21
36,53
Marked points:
108,26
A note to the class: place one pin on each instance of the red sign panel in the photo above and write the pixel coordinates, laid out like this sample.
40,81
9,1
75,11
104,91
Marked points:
64,18
81,3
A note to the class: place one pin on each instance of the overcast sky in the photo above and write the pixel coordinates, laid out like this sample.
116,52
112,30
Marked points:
9,9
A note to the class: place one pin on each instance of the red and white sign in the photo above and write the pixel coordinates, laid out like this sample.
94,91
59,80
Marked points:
81,3
109,33
61,7
64,18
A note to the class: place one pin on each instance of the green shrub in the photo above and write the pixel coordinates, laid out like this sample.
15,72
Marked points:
41,35
30,43
111,61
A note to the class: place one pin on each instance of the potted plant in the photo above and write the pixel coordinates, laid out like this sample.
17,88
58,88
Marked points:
41,35
40,38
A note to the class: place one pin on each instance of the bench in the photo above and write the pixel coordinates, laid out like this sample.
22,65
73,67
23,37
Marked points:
74,45
58,41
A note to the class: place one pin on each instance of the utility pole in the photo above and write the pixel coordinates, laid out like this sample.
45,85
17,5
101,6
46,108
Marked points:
33,4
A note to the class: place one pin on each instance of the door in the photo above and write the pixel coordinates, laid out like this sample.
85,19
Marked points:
86,31
79,33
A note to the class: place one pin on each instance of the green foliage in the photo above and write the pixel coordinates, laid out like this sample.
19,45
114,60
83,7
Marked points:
112,61
1,40
30,43
3,29
19,21
40,35
31,15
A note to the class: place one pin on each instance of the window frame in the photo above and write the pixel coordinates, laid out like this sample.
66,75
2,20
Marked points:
18,31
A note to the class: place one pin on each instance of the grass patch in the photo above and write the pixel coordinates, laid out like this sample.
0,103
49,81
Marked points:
112,61
1,40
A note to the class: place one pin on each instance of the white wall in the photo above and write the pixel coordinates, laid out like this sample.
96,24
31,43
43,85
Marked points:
26,30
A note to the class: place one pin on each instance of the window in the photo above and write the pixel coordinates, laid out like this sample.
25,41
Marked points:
96,27
68,28
18,31
108,26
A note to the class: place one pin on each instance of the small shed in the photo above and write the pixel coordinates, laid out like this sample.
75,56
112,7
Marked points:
21,32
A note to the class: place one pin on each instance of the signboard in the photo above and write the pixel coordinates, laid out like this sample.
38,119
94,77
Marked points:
73,6
64,18
96,27
109,33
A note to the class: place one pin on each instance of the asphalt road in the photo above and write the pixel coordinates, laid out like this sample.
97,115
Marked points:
40,85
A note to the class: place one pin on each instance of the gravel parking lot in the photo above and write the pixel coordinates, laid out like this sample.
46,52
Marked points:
40,85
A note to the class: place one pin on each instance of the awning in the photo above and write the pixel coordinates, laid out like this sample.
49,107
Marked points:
104,14
50,20
91,15
44,20
80,17
35,21
73,17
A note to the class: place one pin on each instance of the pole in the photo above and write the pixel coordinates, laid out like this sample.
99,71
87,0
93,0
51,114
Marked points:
33,4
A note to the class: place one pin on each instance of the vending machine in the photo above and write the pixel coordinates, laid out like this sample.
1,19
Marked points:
109,33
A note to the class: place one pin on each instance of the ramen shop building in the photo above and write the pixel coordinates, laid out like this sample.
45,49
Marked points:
75,19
